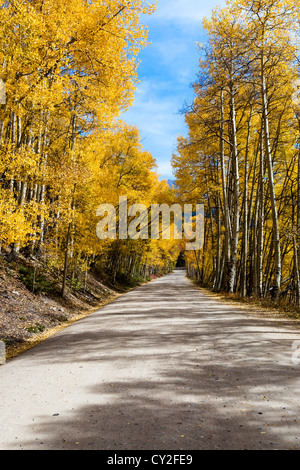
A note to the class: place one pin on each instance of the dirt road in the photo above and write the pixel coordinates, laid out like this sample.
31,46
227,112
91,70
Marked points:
164,367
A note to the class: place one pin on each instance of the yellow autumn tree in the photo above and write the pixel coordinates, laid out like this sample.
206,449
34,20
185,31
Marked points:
241,153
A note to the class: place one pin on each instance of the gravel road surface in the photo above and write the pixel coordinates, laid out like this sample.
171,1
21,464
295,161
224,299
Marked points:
163,367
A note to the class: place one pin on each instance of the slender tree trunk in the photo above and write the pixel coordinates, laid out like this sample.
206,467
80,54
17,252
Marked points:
236,194
261,216
276,233
13,141
297,237
218,257
66,261
226,213
245,227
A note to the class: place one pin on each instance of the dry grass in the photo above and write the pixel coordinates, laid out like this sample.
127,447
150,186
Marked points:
266,308
27,318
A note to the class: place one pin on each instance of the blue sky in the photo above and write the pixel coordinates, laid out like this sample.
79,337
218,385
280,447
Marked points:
169,66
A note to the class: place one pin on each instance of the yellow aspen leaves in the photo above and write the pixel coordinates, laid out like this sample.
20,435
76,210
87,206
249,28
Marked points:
67,71
241,154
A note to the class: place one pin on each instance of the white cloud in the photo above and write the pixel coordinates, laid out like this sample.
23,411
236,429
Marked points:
156,114
159,127
156,120
156,109
168,67
185,11
165,170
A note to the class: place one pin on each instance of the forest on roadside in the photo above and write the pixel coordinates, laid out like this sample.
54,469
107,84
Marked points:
69,69
241,157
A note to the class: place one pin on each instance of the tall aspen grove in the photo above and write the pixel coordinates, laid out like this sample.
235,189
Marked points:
241,156
70,69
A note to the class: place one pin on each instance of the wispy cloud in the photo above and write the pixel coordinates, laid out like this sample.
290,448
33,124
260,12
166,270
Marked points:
169,65
185,11
159,122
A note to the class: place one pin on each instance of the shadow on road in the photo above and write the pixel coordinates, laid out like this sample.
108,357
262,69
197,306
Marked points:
166,367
